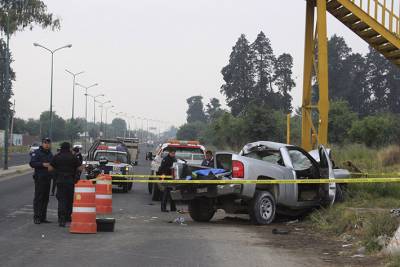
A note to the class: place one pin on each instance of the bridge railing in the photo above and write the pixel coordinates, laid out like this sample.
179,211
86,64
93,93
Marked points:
386,12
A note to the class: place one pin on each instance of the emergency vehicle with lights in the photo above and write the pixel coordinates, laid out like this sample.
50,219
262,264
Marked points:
190,152
119,160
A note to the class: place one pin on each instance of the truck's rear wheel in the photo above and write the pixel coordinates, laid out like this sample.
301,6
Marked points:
156,193
262,208
201,209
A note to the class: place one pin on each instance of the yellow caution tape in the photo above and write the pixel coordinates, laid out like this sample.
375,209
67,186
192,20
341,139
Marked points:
302,181
141,176
390,174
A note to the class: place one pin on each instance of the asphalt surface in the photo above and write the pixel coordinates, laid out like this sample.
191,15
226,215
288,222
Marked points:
15,159
143,237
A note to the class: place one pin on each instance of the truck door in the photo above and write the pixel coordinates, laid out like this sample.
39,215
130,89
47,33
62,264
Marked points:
326,170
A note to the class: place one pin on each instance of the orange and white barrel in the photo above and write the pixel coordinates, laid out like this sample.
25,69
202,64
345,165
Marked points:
104,194
84,208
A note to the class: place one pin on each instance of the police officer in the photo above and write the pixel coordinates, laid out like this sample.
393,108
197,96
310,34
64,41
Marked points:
65,165
77,153
209,160
166,169
40,161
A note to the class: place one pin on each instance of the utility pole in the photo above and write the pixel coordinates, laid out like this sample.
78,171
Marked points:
51,81
73,90
12,125
86,104
7,87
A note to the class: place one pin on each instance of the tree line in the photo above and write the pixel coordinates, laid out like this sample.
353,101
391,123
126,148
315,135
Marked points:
364,91
74,129
21,15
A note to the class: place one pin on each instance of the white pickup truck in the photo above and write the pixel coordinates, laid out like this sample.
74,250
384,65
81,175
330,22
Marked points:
262,161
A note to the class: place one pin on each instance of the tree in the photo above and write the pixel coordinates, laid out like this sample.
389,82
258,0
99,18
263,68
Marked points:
338,52
190,131
239,77
118,127
58,126
73,128
195,110
341,118
378,68
378,130
263,60
25,14
214,110
284,81
264,123
5,92
20,14
357,93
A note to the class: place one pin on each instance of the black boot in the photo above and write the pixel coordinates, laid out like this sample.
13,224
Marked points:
36,221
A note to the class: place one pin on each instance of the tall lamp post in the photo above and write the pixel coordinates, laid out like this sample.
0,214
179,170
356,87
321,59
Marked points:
101,112
86,103
73,89
94,105
106,123
51,82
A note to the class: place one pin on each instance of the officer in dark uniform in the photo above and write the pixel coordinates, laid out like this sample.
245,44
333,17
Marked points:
77,153
166,169
40,161
65,165
209,160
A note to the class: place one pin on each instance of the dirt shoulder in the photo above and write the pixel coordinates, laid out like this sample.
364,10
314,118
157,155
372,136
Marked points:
298,238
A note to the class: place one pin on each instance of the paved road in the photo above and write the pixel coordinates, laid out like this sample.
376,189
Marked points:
143,236
16,159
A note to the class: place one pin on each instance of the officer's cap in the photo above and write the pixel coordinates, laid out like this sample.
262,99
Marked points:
46,140
65,146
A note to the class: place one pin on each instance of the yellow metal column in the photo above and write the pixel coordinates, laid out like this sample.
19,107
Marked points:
306,141
323,105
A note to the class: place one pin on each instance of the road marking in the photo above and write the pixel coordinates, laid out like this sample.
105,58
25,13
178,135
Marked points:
15,175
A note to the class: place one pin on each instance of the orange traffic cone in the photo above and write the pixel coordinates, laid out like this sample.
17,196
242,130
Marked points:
104,194
84,209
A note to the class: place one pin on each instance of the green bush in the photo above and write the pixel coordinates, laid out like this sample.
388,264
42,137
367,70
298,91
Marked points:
376,131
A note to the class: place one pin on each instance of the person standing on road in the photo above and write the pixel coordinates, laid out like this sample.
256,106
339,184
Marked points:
40,161
77,153
209,160
166,169
66,166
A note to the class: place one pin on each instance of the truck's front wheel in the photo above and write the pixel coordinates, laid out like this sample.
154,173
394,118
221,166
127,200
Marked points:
201,209
262,208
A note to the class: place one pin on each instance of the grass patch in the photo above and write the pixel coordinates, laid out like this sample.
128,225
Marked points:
393,261
365,226
365,212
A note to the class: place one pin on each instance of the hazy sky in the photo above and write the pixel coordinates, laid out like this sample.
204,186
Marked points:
149,56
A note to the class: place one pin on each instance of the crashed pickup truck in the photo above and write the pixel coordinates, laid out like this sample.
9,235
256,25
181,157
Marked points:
260,161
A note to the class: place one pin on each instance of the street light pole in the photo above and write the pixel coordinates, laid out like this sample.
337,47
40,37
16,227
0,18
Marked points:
101,113
6,85
86,104
51,82
106,124
73,90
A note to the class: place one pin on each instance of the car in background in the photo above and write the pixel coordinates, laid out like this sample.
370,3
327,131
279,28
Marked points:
190,152
32,148
118,158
